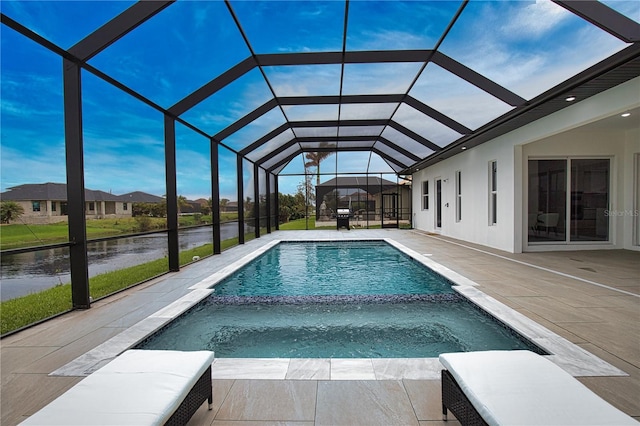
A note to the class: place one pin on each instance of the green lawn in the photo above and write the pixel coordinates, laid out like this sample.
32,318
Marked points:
22,311
20,235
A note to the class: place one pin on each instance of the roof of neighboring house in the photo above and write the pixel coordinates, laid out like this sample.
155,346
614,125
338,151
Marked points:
357,182
51,191
140,197
58,192
36,191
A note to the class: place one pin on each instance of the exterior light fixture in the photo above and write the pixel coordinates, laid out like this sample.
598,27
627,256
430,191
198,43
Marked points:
463,148
625,114
570,98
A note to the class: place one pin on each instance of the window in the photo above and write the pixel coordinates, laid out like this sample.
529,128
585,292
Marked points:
458,196
92,206
125,207
35,205
53,206
425,195
493,192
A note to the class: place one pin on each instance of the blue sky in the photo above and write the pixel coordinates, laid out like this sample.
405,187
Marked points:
528,47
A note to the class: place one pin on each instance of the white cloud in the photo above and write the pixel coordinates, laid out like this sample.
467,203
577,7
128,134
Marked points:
533,20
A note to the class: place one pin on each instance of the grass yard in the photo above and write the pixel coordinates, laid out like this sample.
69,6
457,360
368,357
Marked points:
20,235
23,311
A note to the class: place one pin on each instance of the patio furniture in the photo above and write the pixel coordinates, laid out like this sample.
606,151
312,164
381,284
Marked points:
547,222
139,387
519,388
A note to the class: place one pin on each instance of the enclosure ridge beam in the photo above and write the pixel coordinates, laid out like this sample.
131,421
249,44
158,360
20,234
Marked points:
336,123
345,99
358,138
335,58
337,149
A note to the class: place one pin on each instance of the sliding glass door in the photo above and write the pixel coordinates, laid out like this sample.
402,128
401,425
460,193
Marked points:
568,200
547,200
589,200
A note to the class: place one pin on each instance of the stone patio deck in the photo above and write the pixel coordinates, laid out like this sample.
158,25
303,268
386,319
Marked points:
591,298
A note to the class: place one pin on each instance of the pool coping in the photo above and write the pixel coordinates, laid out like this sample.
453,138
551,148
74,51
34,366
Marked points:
572,358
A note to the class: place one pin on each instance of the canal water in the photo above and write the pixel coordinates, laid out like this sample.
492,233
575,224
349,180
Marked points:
24,273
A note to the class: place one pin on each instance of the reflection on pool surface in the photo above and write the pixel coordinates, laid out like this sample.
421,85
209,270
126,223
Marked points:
334,299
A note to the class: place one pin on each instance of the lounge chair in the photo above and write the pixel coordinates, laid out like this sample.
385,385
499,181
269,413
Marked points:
519,388
139,387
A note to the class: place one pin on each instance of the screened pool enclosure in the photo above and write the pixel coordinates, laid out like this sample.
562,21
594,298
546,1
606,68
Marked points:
226,105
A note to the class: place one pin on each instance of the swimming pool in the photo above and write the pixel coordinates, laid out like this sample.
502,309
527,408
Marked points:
333,268
335,300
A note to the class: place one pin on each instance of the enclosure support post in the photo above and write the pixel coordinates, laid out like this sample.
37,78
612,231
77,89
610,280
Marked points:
276,202
215,197
256,201
78,261
240,200
268,200
172,193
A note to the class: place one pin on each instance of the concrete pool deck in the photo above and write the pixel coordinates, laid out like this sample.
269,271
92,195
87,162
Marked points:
587,298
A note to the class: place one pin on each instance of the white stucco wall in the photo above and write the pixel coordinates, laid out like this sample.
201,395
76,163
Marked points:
560,134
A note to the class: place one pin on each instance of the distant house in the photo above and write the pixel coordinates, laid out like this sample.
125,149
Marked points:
368,197
140,197
47,202
229,207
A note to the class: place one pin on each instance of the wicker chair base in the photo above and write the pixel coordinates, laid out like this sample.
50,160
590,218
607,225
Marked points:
454,400
200,392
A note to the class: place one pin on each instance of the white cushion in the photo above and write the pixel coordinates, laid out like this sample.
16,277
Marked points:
524,388
139,387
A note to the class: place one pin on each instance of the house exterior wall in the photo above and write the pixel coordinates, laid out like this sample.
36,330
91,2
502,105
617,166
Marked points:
44,216
558,135
107,209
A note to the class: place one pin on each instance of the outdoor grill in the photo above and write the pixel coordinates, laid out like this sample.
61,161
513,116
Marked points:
343,218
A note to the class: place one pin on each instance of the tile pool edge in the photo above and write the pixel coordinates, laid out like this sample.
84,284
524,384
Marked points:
569,356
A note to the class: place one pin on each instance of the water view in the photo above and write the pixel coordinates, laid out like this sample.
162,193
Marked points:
25,273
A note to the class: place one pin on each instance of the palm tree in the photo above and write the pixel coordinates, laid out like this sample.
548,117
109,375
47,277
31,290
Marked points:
10,210
314,161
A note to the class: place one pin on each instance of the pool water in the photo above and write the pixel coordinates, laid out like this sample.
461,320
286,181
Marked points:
332,329
335,300
330,268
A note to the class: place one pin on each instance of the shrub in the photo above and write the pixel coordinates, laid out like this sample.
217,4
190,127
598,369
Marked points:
144,223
